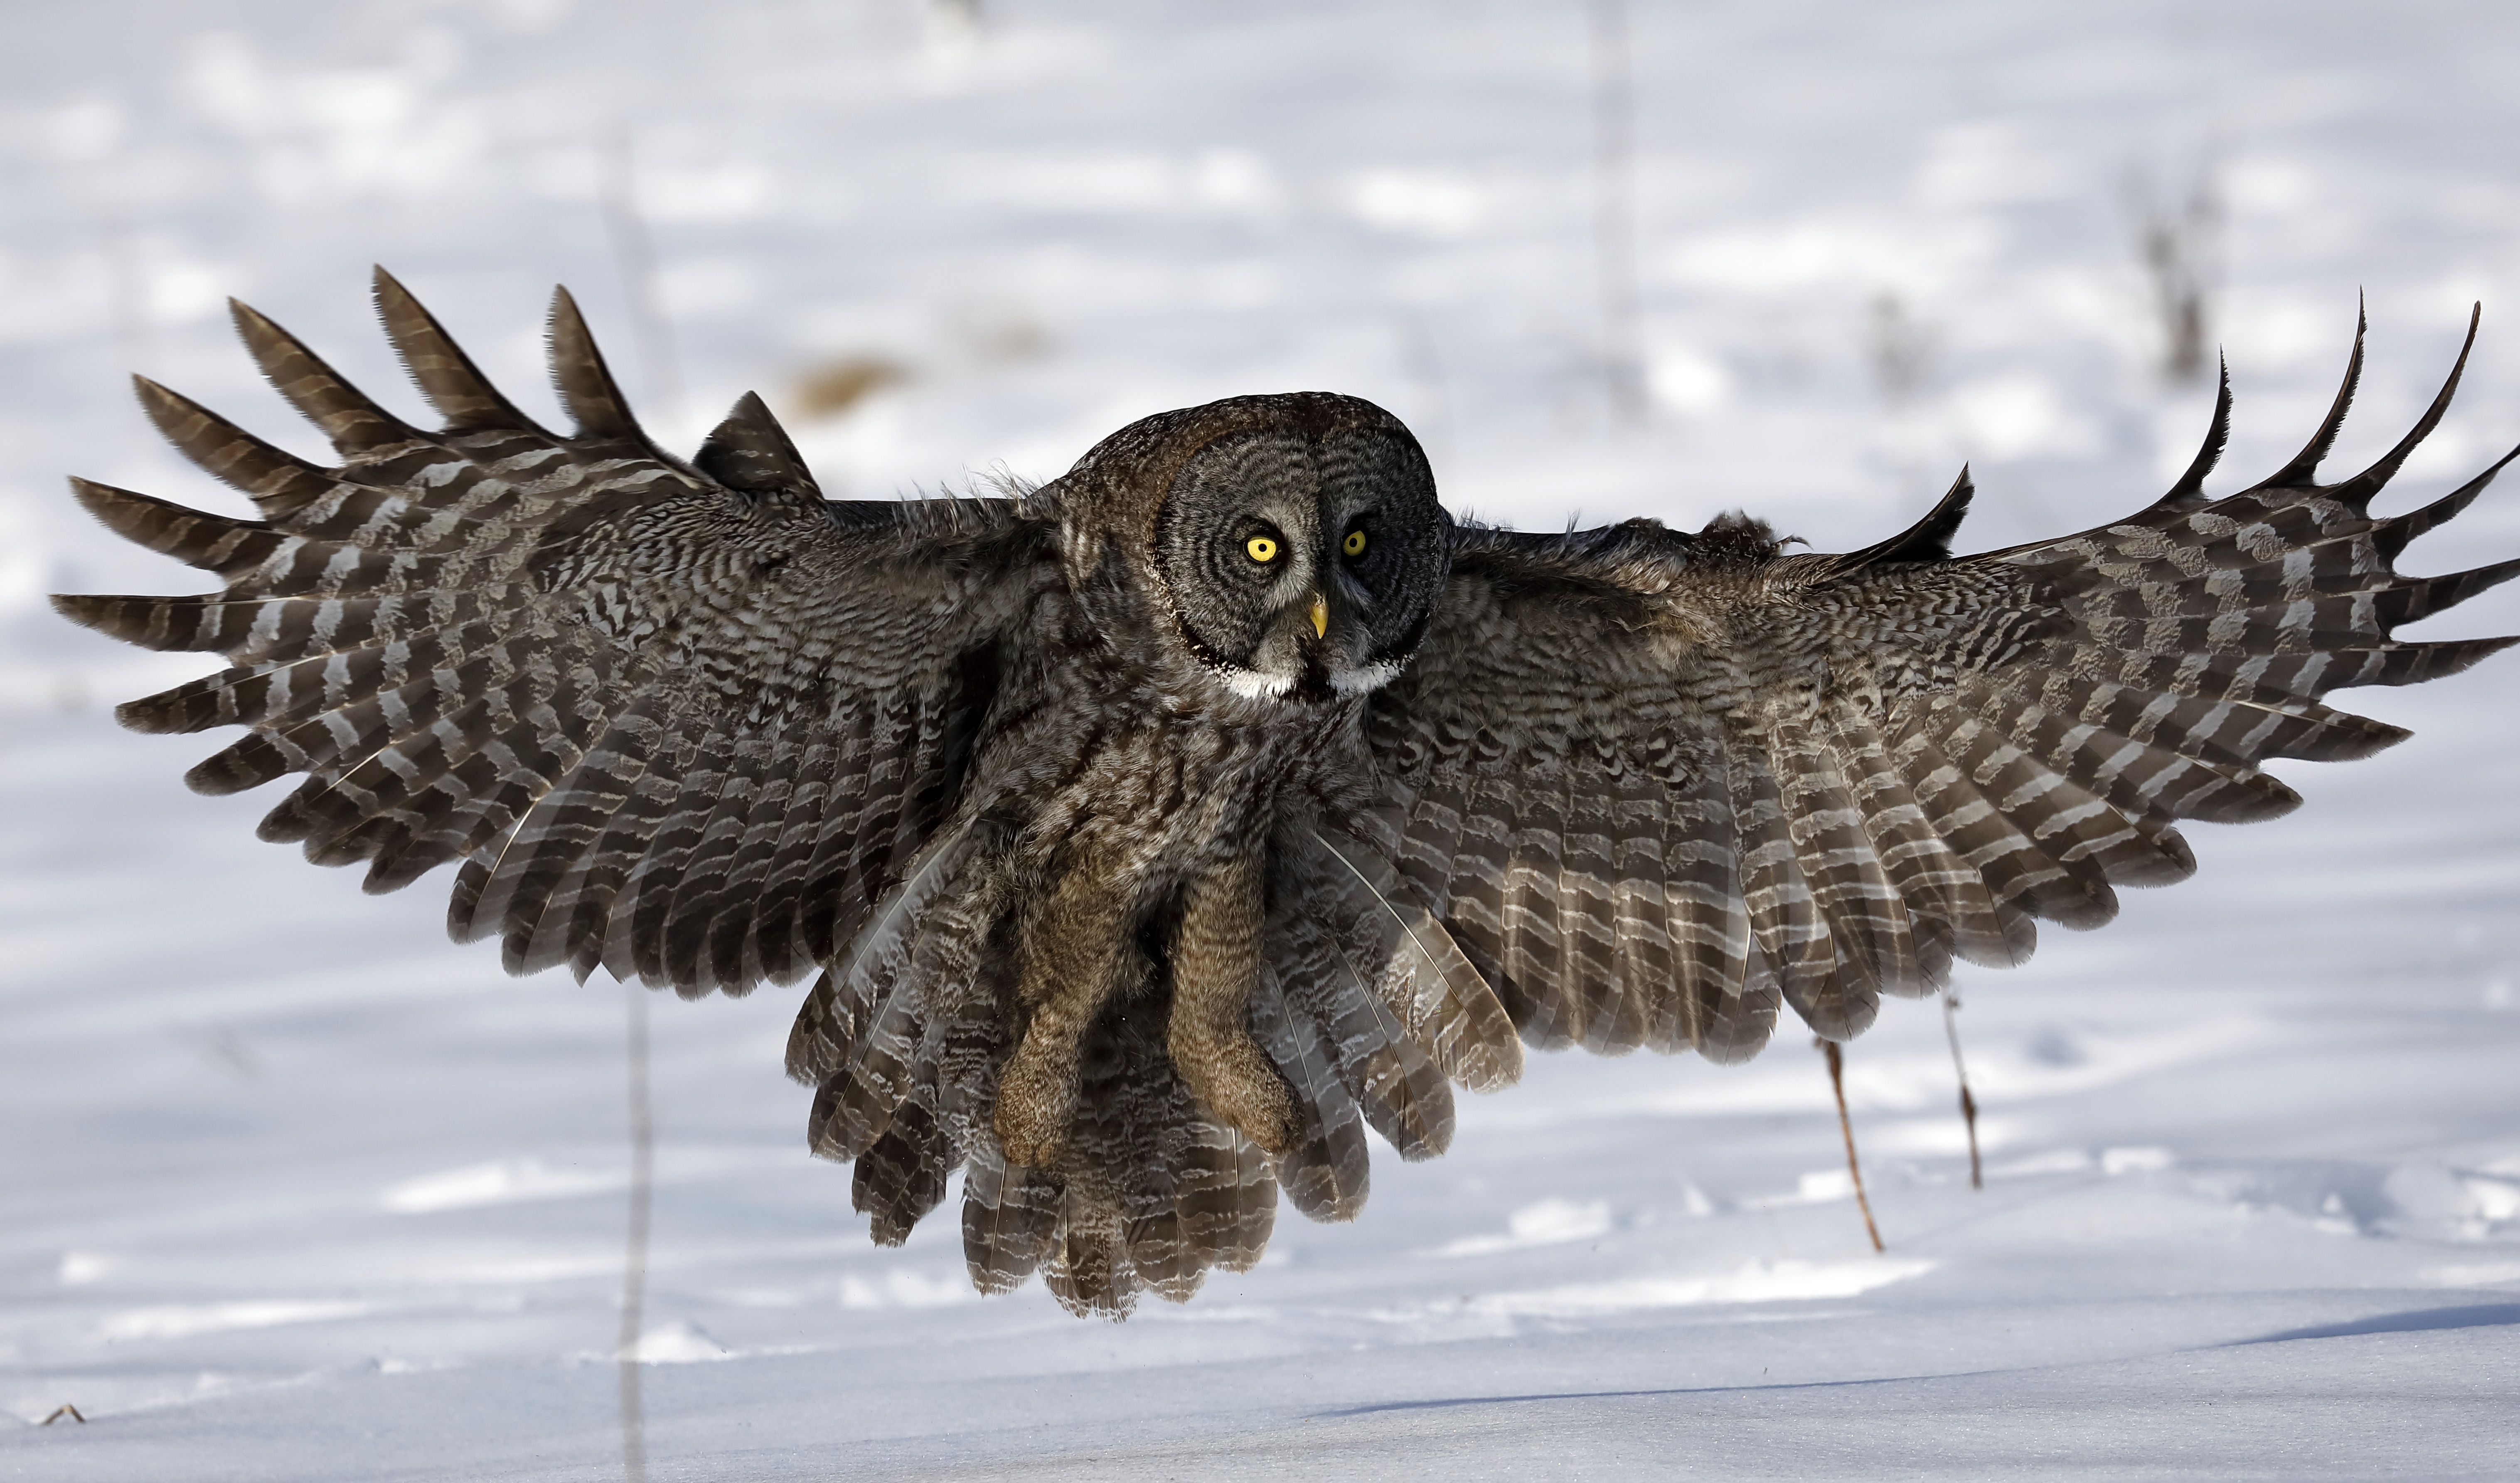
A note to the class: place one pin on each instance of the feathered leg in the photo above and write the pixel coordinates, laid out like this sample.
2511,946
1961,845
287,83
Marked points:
1216,957
1071,963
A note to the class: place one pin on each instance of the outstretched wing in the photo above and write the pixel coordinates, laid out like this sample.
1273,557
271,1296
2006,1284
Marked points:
684,720
1654,783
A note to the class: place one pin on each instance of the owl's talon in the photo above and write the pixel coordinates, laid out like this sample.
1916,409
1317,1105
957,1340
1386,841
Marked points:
1027,1156
1239,1086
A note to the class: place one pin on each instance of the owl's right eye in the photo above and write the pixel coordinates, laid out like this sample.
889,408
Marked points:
1262,548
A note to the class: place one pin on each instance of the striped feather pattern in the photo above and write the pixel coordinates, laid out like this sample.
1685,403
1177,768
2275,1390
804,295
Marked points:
691,723
684,729
1652,783
1327,1175
904,1039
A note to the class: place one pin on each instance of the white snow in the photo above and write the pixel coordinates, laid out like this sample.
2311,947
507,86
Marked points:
498,1182
291,1189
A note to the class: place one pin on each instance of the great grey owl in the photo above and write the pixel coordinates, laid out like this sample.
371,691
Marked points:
1156,831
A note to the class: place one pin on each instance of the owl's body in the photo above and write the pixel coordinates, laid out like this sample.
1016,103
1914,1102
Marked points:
1154,833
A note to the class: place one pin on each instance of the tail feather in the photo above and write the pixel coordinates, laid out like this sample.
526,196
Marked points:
1087,1266
857,1105
1225,1198
903,1175
1122,1219
823,1036
1010,1217
885,969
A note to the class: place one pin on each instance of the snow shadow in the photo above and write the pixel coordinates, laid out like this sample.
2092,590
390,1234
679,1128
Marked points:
1449,1402
2414,1321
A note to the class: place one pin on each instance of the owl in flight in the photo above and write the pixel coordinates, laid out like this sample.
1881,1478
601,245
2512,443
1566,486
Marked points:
1155,831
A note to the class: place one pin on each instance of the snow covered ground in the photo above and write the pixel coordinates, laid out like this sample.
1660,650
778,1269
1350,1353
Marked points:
291,1189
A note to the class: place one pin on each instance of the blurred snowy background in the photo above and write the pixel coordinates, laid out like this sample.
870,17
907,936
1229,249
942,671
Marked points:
289,1187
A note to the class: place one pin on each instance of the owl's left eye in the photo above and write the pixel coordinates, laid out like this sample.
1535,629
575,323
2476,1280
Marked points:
1354,544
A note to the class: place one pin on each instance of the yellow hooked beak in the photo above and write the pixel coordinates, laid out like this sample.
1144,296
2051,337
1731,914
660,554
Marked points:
1321,616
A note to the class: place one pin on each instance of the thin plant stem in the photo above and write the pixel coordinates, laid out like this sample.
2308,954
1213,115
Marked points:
1614,212
634,1263
1846,1128
637,256
634,252
1969,1103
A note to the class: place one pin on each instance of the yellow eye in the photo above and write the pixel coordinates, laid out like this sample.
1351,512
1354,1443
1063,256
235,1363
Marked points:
1354,544
1261,549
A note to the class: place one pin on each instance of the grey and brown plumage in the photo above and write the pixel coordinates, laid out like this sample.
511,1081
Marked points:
1153,833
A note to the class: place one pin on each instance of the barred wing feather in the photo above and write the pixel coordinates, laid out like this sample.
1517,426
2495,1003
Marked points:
1656,785
688,721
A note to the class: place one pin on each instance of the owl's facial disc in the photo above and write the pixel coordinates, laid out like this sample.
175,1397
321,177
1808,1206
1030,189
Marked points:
1302,563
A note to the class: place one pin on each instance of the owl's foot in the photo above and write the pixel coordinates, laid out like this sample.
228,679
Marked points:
1237,1085
1036,1098
1216,959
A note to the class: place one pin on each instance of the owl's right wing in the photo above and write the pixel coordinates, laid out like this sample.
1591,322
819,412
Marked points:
687,721
1653,784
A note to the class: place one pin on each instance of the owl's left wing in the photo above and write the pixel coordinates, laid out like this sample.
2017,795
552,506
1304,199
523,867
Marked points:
1656,784
688,721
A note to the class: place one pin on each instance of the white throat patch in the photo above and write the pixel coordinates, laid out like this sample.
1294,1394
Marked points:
1370,678
1252,684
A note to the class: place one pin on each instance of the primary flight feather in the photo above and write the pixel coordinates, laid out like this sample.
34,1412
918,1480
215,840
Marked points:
1155,833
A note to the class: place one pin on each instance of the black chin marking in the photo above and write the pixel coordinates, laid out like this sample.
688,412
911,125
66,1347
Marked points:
1399,649
1201,650
1314,684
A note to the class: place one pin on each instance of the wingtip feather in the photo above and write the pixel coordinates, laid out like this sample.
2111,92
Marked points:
439,365
585,383
2189,493
354,423
2303,470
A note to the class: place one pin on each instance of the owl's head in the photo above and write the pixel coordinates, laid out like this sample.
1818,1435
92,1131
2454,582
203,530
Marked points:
1292,542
